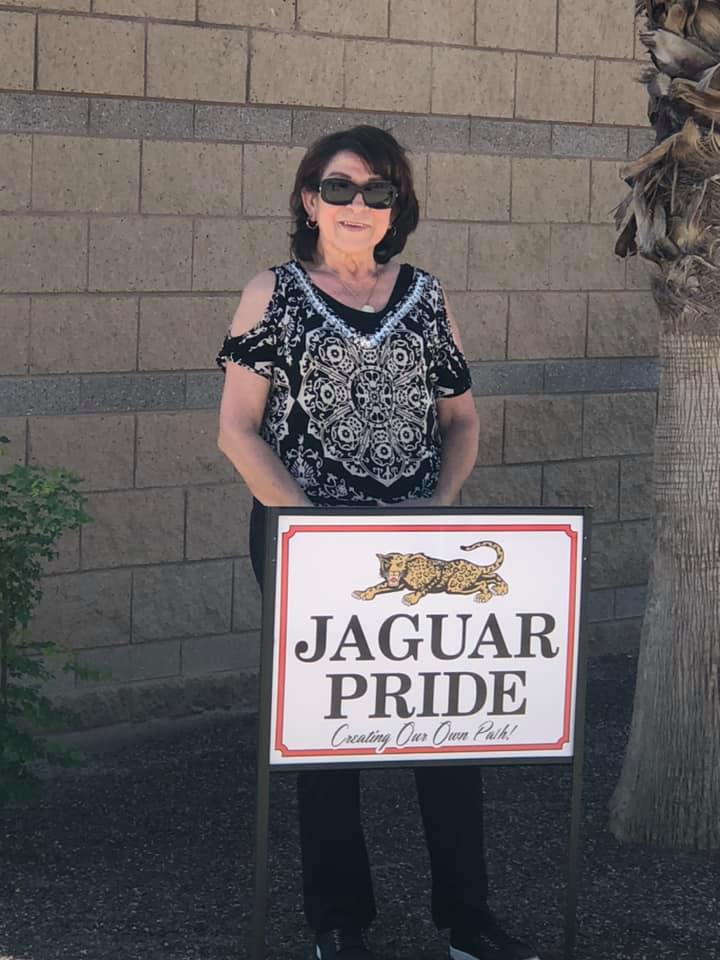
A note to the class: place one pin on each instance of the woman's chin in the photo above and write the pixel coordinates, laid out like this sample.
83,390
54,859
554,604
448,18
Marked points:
354,240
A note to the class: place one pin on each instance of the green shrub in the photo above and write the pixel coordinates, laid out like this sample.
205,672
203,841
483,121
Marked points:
37,505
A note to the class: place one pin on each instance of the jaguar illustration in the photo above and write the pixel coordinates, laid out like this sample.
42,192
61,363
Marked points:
422,575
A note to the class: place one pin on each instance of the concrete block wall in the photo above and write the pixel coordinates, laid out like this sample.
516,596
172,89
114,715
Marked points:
147,148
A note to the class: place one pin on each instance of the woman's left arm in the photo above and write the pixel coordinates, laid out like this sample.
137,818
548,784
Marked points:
459,429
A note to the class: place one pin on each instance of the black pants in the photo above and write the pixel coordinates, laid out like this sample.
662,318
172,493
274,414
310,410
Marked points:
337,885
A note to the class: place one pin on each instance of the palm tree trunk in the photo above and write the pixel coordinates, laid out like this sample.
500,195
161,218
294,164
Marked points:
674,750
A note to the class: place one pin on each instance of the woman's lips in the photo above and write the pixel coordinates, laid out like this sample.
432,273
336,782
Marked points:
349,225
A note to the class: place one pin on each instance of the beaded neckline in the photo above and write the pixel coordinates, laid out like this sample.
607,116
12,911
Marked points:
401,309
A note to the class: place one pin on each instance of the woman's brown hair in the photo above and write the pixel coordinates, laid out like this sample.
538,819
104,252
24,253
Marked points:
385,157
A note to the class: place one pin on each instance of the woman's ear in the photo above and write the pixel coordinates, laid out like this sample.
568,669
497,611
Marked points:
310,202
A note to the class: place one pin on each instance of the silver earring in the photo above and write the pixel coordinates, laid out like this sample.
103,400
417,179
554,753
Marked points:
392,232
311,224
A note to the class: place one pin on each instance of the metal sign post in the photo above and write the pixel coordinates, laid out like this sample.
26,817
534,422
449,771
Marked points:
293,737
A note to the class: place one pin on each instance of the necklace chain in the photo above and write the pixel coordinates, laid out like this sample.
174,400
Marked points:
366,305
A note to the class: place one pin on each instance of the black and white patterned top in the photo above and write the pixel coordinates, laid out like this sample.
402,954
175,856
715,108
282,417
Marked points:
351,410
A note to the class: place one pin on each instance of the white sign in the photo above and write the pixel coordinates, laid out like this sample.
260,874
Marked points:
411,637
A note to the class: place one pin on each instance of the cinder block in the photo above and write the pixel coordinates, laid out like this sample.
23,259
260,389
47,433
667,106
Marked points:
419,20
312,70
193,63
86,173
192,178
419,170
83,334
547,325
482,318
228,253
15,166
17,50
265,195
203,390
554,88
619,96
467,187
21,396
133,527
368,19
97,448
141,118
308,125
590,29
589,483
40,254
601,605
442,249
542,428
640,141
509,257
619,424
621,637
630,602
14,334
475,82
213,122
217,521
182,600
15,429
132,391
36,112
544,191
588,376
620,554
152,661
390,76
491,413
91,55
505,379
280,15
183,333
623,324
80,610
570,140
636,488
61,682
429,133
179,448
108,666
583,258
508,24
157,9
79,6
508,137
246,599
235,651
606,190
137,662
503,487
140,253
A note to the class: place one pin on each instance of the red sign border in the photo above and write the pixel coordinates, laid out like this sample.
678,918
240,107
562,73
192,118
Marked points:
329,753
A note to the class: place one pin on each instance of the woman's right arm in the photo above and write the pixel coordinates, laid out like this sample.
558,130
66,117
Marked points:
242,408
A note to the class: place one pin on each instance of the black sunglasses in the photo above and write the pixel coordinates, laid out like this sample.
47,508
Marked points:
377,194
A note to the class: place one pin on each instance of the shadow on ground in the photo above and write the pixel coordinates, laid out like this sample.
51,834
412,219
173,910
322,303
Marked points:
146,854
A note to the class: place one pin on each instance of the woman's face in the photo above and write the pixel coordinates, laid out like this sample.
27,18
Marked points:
355,228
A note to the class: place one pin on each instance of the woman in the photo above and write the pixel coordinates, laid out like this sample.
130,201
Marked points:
346,384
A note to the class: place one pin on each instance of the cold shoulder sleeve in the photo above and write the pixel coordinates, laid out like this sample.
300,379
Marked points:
450,373
256,348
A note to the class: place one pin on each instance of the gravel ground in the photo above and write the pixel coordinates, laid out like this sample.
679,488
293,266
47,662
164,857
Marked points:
145,853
